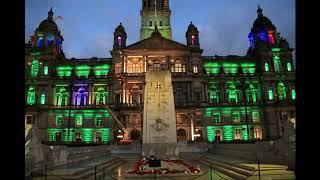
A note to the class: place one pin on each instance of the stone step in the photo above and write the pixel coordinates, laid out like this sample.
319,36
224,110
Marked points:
223,170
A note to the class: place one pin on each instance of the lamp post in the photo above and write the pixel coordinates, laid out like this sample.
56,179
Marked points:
243,86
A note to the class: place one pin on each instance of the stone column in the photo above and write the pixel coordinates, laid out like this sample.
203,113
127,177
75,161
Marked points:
188,92
124,64
90,94
206,92
145,63
54,96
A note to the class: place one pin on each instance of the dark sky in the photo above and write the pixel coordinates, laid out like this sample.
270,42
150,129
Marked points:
88,25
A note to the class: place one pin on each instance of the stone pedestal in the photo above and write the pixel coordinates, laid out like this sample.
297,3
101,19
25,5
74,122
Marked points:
159,120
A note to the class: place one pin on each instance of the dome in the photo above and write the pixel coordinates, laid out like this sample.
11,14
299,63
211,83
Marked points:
262,23
48,24
192,27
120,28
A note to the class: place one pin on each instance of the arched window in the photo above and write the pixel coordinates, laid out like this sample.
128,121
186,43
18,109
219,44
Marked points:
31,96
100,96
119,41
293,94
251,94
277,64
270,94
43,98
266,67
50,39
193,40
149,3
35,66
289,68
40,40
282,91
45,70
80,98
271,38
62,97
232,94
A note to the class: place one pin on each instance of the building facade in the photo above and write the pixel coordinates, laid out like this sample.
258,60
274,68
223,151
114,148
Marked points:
217,98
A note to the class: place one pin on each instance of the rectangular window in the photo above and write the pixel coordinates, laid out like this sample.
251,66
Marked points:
78,120
289,68
43,99
59,120
28,119
236,117
160,23
232,96
99,121
266,67
216,118
293,94
255,116
150,23
237,134
257,133
195,69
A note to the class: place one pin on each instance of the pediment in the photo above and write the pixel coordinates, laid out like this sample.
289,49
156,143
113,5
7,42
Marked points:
157,43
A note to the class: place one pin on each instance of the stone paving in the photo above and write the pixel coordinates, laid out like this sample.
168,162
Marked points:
267,171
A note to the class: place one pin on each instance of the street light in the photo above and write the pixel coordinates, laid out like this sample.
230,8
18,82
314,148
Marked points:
243,86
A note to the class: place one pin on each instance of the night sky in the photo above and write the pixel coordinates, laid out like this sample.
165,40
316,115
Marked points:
88,25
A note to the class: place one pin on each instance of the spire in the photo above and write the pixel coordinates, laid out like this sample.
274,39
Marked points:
259,11
50,14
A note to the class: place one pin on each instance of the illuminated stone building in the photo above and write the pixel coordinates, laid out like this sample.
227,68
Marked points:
217,98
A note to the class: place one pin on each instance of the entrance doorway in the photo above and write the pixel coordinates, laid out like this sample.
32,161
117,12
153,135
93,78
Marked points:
217,136
135,134
181,135
58,136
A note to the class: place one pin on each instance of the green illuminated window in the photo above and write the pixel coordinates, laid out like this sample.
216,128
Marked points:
281,91
277,63
233,96
266,67
255,116
289,68
212,68
43,98
270,94
83,71
64,71
230,68
293,94
236,117
62,96
248,68
99,121
100,96
213,96
31,96
251,94
102,70
45,70
59,120
78,120
35,67
227,133
216,118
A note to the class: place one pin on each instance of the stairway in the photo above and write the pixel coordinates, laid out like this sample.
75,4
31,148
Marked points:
233,170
